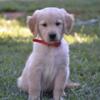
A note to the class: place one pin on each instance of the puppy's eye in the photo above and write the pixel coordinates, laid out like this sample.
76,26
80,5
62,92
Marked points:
58,23
44,24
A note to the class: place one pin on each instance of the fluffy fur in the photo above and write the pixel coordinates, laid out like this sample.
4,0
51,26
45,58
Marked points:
47,67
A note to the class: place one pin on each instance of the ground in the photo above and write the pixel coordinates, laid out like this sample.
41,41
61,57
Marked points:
16,45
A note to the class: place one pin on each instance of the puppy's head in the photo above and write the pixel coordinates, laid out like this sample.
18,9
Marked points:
50,23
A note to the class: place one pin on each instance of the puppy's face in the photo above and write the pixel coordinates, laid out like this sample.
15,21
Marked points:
50,23
51,26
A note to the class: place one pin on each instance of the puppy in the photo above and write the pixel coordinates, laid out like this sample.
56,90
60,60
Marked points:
47,67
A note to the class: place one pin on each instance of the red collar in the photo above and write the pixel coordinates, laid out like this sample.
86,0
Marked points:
56,44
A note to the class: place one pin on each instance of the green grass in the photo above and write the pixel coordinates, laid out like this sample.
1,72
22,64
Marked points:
16,45
30,5
78,7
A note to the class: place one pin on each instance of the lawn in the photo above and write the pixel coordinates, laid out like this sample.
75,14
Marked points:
16,45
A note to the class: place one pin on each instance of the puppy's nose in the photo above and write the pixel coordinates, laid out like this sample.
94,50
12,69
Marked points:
52,37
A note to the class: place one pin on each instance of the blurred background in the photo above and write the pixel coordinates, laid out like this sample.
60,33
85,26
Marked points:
16,44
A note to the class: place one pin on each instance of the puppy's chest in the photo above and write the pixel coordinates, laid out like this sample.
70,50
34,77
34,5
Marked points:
52,62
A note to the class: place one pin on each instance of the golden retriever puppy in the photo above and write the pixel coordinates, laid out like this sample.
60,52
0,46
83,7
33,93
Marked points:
47,67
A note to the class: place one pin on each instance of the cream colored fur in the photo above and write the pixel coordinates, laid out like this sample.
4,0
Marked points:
47,67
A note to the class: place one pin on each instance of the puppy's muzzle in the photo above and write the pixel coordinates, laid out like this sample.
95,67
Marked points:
52,37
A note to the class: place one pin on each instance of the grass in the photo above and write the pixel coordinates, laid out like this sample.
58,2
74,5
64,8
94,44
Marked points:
30,5
16,44
78,7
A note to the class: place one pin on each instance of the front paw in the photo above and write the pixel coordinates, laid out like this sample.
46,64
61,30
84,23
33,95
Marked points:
60,98
33,97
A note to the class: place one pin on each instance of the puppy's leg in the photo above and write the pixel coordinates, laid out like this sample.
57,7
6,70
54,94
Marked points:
59,85
22,81
34,84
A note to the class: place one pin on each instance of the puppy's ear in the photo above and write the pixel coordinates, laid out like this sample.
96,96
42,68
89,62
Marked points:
68,21
32,23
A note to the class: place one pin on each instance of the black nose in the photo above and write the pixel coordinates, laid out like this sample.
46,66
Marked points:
52,37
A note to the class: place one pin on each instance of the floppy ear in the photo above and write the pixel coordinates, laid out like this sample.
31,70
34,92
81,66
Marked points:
32,23
68,21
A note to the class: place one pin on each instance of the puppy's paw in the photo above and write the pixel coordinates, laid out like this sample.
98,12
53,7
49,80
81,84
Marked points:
72,85
33,97
60,98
